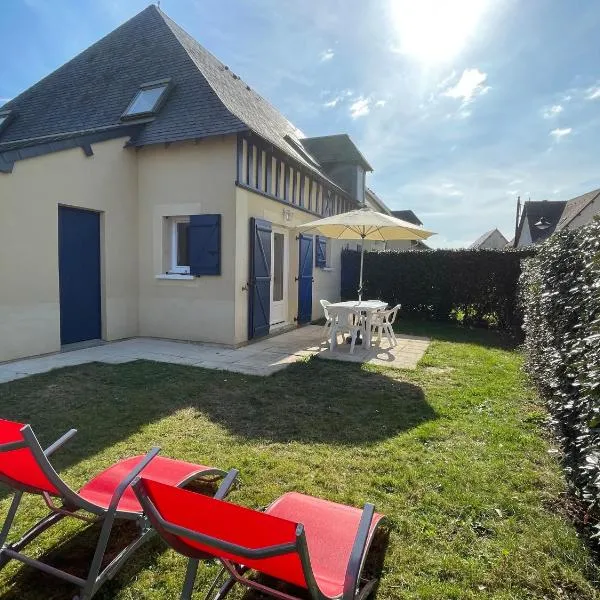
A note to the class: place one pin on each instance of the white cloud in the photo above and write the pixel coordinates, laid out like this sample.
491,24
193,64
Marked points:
470,85
593,93
560,132
449,189
338,98
552,111
360,107
380,103
327,54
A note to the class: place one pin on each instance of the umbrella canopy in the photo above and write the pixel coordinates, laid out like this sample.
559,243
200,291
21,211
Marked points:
366,224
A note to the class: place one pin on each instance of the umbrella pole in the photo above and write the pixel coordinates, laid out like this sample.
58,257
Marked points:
362,256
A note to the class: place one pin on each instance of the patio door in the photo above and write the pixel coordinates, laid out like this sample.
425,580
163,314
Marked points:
79,275
279,279
259,293
305,278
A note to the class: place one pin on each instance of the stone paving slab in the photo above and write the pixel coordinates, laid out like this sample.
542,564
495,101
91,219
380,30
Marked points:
262,358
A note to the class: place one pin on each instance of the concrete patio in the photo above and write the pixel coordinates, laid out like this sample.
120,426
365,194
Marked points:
261,358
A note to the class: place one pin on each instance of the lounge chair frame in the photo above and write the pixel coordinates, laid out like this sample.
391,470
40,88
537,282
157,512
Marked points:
71,504
352,589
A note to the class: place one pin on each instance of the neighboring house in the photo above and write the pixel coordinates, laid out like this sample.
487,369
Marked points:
537,221
491,240
540,219
580,210
146,190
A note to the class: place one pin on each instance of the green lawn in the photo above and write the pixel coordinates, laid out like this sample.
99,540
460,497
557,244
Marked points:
453,453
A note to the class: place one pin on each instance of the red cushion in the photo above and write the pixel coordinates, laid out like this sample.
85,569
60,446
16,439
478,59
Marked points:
231,523
330,531
100,489
19,468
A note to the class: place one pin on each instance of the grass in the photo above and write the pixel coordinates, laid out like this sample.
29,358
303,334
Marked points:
453,453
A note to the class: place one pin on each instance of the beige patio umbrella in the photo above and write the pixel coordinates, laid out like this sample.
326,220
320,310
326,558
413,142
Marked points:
366,224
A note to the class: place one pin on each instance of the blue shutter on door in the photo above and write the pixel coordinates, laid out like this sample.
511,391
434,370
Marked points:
204,245
321,252
305,278
259,306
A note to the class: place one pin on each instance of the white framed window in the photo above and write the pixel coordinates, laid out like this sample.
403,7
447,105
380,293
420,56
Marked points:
178,234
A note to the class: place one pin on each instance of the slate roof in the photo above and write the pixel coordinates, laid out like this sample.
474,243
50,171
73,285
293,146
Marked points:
535,210
335,149
377,200
90,92
575,206
482,239
407,215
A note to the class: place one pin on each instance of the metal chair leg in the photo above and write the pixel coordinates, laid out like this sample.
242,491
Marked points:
92,578
190,579
10,517
225,588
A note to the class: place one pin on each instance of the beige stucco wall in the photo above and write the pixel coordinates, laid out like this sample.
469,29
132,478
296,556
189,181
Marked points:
327,282
29,199
181,180
135,191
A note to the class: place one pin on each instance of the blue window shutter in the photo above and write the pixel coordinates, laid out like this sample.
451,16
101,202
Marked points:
204,244
321,252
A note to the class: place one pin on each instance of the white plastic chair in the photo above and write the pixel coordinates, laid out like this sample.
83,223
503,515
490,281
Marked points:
328,319
383,322
345,320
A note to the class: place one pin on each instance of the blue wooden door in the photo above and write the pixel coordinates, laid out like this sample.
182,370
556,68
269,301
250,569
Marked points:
305,278
79,274
259,309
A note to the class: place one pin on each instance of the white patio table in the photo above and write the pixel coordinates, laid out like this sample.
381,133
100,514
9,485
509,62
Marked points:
362,308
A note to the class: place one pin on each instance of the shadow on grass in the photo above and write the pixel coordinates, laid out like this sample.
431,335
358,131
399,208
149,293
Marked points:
457,334
315,401
74,555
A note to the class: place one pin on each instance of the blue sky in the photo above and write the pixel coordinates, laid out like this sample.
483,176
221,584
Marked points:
459,105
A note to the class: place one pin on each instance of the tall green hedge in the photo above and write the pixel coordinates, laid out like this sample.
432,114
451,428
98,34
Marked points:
478,287
560,294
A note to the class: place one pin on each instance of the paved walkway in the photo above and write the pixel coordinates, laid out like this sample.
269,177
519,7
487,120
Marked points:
261,358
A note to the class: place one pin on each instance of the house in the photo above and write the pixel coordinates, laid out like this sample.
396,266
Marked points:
373,201
580,210
538,220
406,215
146,190
491,240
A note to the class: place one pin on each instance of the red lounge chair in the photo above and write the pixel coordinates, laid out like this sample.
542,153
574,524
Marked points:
24,467
314,544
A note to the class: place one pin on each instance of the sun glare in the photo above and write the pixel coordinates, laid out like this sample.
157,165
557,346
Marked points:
434,30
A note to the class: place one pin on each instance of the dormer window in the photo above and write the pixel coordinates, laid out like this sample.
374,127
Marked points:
148,99
6,116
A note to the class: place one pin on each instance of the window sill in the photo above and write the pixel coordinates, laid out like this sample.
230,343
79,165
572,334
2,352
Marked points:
175,276
327,269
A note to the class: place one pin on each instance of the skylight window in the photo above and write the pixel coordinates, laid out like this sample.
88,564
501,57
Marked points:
6,116
148,99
